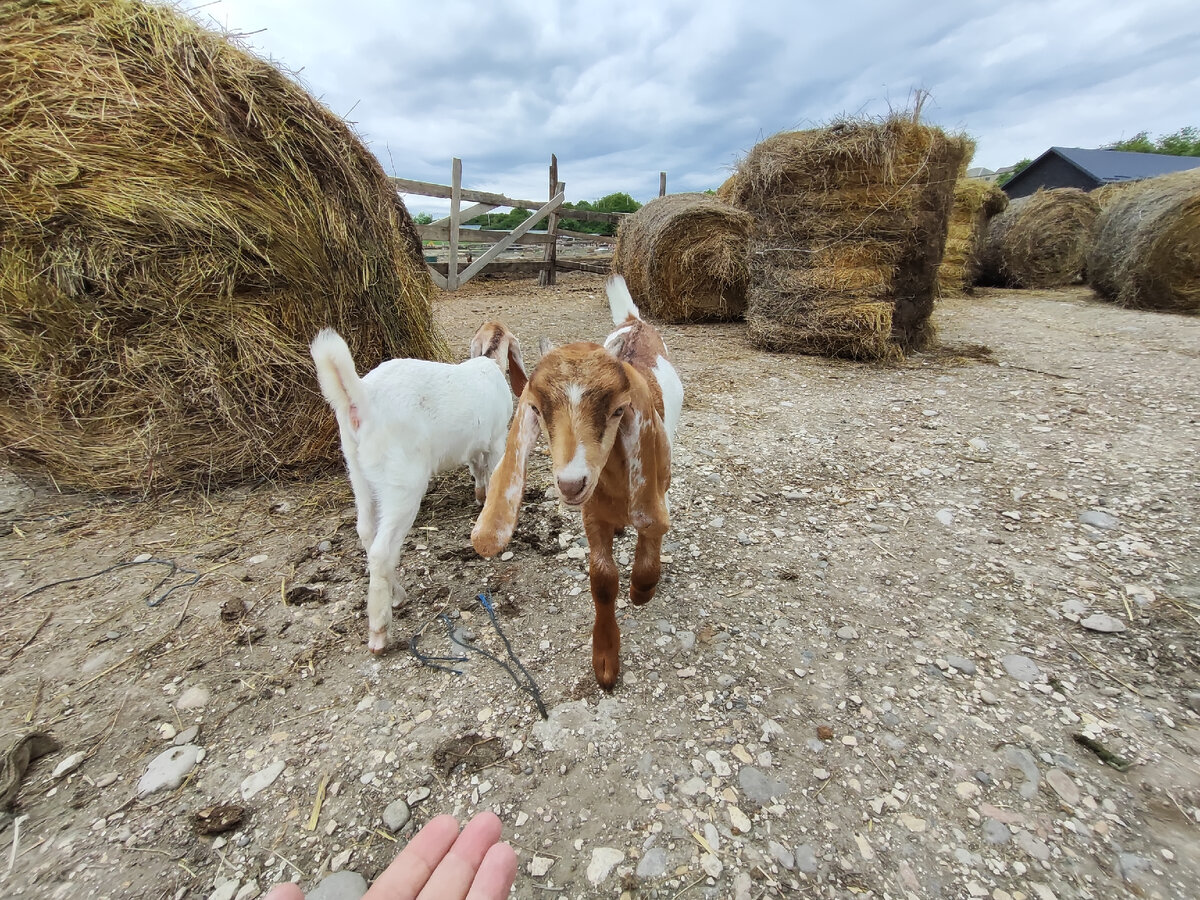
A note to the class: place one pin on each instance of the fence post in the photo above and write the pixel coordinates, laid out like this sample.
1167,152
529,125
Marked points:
455,202
547,276
662,184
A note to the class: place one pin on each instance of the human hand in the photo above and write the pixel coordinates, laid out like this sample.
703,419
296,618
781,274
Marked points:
441,864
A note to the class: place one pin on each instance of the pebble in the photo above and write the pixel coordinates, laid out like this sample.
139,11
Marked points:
195,697
913,823
782,855
653,864
106,779
576,553
249,890
343,885
1034,846
604,859
744,539
1098,518
964,665
996,832
167,770
417,795
262,779
1021,668
188,735
255,560
758,786
539,866
167,731
225,890
1101,622
693,786
1192,699
945,516
1022,760
847,633
719,766
1062,785
806,858
711,865
739,820
396,816
69,765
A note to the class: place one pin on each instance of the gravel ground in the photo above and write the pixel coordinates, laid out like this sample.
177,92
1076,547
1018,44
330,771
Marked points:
925,630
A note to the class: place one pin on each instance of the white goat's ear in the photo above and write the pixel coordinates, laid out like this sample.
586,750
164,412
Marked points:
477,347
516,365
544,346
498,519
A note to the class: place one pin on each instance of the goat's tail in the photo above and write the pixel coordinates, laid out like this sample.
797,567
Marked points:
338,378
620,301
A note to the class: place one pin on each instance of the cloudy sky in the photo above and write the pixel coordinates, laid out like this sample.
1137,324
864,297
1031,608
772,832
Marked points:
622,90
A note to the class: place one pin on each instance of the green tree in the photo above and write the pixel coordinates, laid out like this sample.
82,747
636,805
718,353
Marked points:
610,203
422,218
1184,142
1016,170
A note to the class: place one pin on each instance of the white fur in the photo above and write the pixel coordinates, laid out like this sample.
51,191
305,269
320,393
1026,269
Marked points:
672,394
401,424
620,301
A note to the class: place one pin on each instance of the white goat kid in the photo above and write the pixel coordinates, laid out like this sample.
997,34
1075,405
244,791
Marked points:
404,422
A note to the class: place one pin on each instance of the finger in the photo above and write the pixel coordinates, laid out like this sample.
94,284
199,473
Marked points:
453,876
496,874
285,892
409,871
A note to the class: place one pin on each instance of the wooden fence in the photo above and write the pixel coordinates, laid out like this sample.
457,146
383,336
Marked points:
450,276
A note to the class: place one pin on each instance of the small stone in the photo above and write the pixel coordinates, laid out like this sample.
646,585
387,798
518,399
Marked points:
846,633
964,665
248,891
758,786
539,866
653,864
1034,846
806,858
1098,518
1062,785
255,560
739,820
967,790
225,890
417,795
188,735
1021,668
262,779
69,765
945,516
913,823
576,553
1022,760
782,855
506,556
167,731
195,697
711,865
604,859
1104,623
396,815
720,767
343,885
167,770
106,779
824,732
865,850
996,832
693,786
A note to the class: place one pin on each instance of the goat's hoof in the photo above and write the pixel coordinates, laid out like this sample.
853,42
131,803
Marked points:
641,596
606,672
377,642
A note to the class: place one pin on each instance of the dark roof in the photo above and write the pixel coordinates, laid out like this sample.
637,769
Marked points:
1120,165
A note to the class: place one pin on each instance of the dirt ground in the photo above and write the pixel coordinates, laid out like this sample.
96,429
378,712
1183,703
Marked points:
866,673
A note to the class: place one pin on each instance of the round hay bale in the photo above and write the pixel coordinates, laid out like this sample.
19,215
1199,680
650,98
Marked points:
1040,241
1145,249
850,226
684,258
975,202
1106,193
179,221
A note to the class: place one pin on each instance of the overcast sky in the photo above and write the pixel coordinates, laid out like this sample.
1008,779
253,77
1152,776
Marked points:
623,90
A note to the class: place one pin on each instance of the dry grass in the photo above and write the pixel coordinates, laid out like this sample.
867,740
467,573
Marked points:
180,218
1145,249
850,226
975,203
1039,241
684,258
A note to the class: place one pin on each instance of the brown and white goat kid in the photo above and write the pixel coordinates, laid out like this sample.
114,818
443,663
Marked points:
402,423
609,413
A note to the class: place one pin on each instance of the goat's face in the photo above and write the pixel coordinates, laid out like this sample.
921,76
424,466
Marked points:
580,393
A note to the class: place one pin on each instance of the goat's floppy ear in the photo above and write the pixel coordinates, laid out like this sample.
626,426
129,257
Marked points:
516,366
498,519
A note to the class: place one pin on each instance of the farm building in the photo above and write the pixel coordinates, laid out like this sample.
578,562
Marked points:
1076,167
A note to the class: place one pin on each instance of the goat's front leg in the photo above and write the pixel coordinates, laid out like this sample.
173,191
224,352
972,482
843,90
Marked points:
606,636
647,566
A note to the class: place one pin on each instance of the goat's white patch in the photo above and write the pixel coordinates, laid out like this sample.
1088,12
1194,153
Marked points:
574,393
614,339
577,468
633,446
672,394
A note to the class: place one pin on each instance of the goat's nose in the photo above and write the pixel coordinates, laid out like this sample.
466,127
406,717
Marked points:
571,487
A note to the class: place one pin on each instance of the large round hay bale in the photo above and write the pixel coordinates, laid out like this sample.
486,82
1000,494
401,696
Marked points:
850,226
1040,241
1145,249
684,258
1106,193
179,219
975,202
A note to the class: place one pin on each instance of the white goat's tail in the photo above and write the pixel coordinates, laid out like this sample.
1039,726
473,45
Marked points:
620,301
338,378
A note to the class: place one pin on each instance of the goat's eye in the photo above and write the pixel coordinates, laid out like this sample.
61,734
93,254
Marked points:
537,412
618,412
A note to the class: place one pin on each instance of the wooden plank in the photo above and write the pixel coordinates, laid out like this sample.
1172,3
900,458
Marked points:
499,247
455,221
601,265
428,189
584,236
547,276
531,267
478,235
465,215
439,278
587,215
662,184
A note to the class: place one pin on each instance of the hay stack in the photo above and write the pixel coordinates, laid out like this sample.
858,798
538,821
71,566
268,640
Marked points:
179,219
1145,249
850,225
975,202
1040,241
684,258
1106,193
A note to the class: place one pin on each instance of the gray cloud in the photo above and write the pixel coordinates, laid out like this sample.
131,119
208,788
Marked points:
620,91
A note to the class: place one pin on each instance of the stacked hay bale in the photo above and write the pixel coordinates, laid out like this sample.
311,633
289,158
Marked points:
1106,193
684,258
1040,241
975,203
850,226
179,220
1145,248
